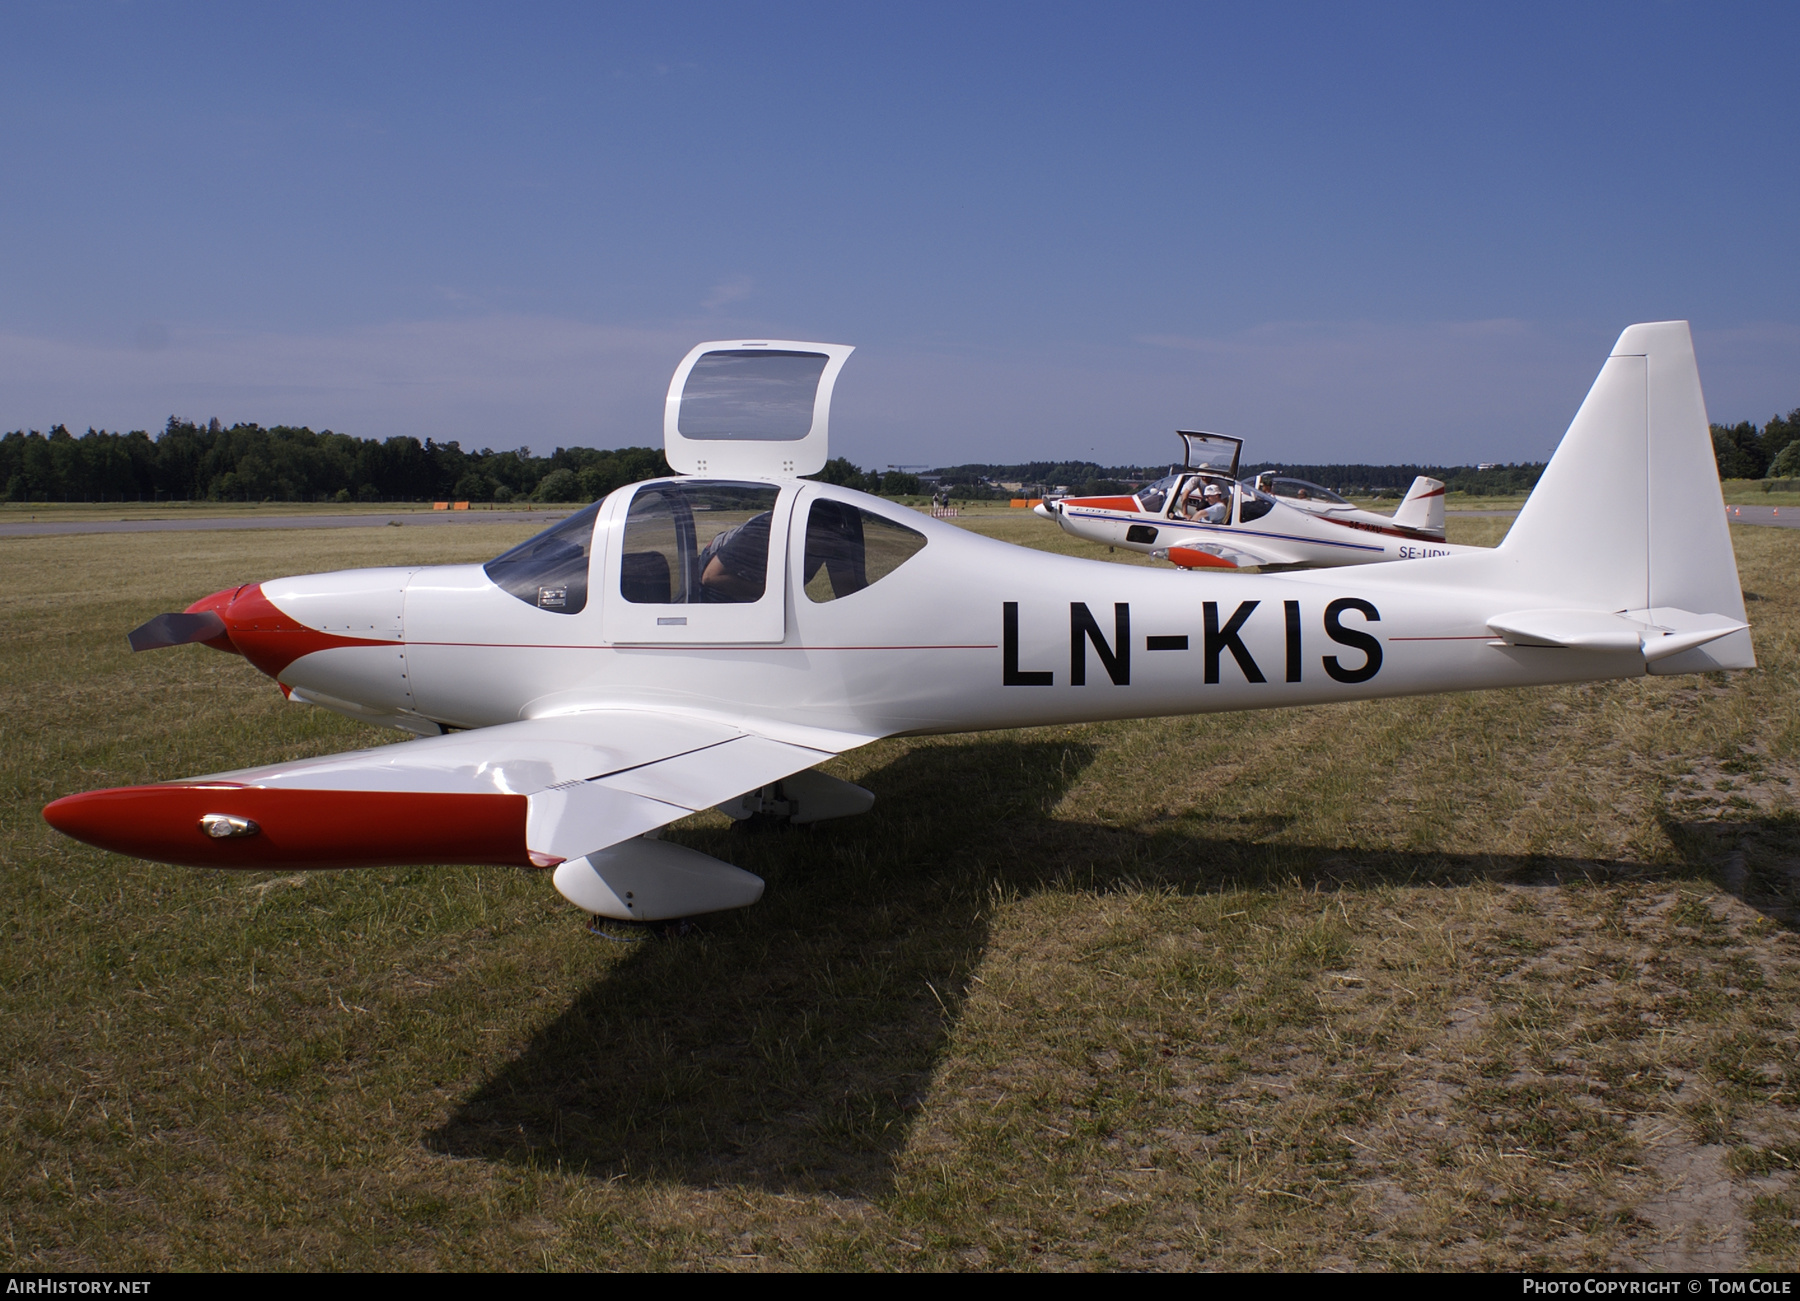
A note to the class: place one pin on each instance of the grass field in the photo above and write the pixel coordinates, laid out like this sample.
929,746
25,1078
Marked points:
1496,980
13,512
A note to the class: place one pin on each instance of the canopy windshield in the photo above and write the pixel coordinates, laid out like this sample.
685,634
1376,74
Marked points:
1217,452
1155,496
550,571
1298,490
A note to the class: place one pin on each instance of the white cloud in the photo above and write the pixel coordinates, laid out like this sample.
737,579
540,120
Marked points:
732,290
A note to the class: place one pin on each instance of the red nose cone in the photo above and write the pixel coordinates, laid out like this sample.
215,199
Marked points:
217,603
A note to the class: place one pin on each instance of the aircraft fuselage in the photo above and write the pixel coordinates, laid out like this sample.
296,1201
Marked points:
969,634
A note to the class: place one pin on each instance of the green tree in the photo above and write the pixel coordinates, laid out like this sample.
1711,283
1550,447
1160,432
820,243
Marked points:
558,485
1780,434
1738,449
841,471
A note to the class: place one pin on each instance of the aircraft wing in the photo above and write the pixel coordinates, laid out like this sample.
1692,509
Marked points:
1208,554
535,792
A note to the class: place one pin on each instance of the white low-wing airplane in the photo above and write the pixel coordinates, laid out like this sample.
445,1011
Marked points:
1202,517
706,640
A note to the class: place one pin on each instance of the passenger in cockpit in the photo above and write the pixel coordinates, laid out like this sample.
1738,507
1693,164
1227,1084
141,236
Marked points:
734,566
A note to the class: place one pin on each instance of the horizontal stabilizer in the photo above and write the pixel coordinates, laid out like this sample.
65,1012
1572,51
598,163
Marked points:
1656,634
176,630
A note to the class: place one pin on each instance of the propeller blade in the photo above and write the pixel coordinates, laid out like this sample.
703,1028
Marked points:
176,630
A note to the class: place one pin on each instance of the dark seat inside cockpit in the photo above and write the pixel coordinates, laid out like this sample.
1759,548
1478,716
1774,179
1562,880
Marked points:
644,577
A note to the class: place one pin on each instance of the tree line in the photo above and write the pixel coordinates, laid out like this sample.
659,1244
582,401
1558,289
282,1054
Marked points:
1772,452
247,462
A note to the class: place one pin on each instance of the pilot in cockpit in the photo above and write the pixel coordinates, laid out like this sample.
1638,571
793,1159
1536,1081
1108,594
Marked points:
1206,506
1213,508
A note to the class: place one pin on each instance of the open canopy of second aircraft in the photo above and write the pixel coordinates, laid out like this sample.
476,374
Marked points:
1202,516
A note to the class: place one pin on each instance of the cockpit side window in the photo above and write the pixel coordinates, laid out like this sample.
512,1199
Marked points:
848,549
550,571
1253,504
693,542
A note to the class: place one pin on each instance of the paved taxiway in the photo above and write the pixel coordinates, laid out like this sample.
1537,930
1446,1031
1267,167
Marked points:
42,528
1764,515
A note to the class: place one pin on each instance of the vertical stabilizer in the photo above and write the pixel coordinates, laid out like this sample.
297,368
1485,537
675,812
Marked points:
1423,508
1628,514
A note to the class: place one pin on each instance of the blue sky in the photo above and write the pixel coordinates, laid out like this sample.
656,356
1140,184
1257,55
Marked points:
1342,232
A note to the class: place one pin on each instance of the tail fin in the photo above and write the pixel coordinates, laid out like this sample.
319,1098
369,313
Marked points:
1628,514
1423,508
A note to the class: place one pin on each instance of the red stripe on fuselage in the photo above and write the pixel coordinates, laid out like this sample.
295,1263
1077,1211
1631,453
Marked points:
297,828
1392,531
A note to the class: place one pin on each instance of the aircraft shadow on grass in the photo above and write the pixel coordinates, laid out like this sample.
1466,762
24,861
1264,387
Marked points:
787,1047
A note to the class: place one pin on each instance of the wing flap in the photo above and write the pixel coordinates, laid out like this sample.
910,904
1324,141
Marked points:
703,778
582,818
568,821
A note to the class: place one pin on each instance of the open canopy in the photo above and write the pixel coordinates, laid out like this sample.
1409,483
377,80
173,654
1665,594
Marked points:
756,407
1204,451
